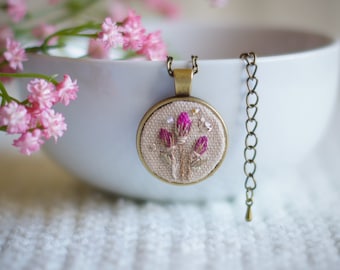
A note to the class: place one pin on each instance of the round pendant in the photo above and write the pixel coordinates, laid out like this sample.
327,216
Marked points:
182,140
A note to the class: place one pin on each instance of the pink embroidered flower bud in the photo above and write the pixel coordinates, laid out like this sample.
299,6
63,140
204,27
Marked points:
201,145
183,124
166,137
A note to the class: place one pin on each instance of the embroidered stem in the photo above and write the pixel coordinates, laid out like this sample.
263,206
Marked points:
169,142
173,166
182,131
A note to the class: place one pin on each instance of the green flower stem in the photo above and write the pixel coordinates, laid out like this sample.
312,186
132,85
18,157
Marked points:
3,128
30,75
72,31
39,48
82,35
5,97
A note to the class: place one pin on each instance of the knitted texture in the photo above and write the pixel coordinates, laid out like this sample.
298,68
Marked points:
55,222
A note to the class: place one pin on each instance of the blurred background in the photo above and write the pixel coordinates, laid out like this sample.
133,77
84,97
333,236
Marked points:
306,14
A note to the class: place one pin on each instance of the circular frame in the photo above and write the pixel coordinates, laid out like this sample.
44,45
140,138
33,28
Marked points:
166,102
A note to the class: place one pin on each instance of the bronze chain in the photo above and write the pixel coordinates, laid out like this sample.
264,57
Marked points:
251,139
194,59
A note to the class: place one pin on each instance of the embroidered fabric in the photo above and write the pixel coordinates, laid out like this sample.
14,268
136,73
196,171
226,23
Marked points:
189,158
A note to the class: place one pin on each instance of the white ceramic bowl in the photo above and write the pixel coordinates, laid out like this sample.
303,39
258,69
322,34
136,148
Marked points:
297,74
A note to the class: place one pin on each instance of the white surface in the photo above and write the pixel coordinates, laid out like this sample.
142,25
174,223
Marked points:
60,224
297,94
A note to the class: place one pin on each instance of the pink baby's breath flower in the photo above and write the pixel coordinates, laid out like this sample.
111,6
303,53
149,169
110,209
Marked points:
134,32
111,34
42,93
67,90
165,7
15,117
34,110
154,48
53,123
43,30
97,49
5,33
201,145
29,142
16,9
14,54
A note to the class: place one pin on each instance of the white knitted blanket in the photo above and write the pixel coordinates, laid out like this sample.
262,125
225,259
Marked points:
55,222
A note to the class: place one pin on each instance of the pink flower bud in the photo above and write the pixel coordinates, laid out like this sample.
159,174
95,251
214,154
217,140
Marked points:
201,145
111,34
14,54
15,117
67,90
29,142
183,124
97,49
41,92
134,32
154,47
16,9
166,137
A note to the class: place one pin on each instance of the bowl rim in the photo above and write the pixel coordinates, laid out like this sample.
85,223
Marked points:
328,42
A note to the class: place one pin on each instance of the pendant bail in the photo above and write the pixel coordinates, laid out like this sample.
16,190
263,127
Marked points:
183,79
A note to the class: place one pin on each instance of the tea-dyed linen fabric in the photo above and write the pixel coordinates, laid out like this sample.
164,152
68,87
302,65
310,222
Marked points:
48,220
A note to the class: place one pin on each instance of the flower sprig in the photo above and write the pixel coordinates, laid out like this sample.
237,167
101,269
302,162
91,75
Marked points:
128,35
34,119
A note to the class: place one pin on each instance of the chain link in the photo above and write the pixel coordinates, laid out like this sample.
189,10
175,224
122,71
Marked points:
251,139
194,59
